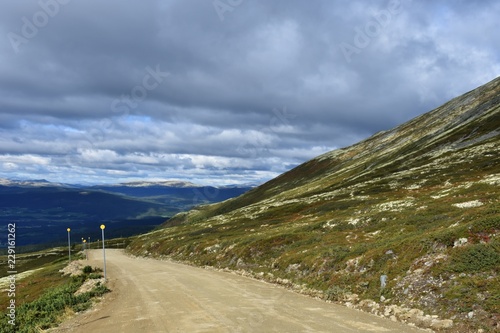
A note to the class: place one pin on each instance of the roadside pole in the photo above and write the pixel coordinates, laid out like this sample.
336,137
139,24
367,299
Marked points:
85,249
69,245
103,250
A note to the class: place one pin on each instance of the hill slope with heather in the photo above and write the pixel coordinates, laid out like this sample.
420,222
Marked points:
403,224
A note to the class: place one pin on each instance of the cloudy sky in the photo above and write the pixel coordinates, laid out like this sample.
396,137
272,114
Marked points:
223,91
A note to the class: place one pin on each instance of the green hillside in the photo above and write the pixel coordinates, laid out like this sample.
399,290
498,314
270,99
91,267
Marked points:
417,204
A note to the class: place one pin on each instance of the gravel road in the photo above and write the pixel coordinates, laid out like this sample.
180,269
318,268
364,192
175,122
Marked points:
160,296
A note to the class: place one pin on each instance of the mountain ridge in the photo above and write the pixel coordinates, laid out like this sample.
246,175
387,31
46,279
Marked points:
417,203
358,151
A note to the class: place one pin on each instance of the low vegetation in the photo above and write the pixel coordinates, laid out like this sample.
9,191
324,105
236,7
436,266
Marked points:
46,297
416,206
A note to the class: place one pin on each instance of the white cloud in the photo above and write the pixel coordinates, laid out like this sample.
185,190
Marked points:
25,159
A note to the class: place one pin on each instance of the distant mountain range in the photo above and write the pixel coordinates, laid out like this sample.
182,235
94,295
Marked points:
43,210
31,183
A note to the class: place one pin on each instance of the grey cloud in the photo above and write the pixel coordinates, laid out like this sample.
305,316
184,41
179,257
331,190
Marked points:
63,96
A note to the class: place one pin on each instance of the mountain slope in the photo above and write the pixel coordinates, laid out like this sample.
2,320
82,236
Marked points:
460,123
417,204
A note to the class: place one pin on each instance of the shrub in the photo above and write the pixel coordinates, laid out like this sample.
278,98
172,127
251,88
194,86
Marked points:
488,224
476,258
87,269
94,276
335,293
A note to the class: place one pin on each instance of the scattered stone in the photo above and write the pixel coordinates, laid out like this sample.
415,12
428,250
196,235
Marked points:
349,305
460,242
74,268
468,204
353,298
292,268
240,263
440,324
88,285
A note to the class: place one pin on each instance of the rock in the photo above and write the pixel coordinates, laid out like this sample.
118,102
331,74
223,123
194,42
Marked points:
349,305
364,284
293,268
353,298
89,285
369,304
440,324
460,242
74,268
416,313
425,321
398,310
240,263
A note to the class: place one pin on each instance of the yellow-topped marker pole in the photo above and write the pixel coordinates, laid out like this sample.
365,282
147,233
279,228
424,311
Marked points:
85,248
69,245
103,250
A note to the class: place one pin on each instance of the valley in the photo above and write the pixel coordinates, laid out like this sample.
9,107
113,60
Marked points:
43,211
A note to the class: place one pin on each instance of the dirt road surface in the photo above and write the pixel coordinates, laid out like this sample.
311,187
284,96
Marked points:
160,296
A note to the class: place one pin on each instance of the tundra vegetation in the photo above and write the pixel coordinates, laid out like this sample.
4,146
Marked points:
417,204
48,290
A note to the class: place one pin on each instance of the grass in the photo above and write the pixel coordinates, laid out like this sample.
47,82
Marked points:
44,298
34,260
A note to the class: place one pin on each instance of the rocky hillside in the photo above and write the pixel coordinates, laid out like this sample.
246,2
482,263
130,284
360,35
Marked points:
404,224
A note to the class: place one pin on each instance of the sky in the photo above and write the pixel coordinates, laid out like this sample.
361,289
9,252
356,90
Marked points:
223,91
